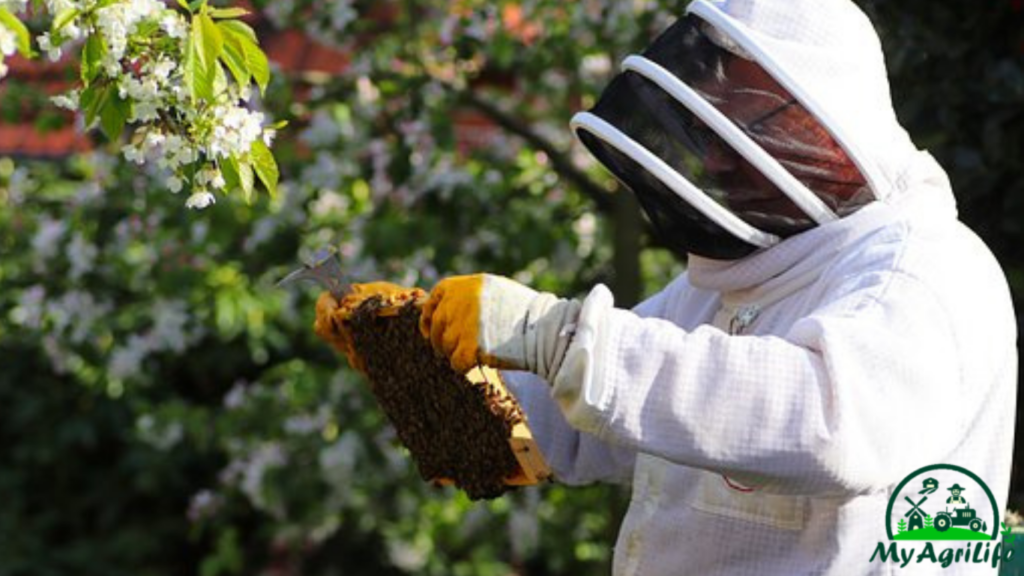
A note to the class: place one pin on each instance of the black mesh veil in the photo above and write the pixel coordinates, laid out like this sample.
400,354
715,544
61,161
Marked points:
770,118
679,226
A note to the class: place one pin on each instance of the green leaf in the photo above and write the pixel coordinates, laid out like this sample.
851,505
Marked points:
234,57
244,54
196,5
240,28
201,57
103,102
147,28
238,174
220,80
92,57
89,102
65,17
228,12
184,5
114,113
229,169
259,66
210,41
265,165
246,180
198,78
24,39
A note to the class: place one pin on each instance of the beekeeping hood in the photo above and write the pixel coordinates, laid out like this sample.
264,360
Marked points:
749,121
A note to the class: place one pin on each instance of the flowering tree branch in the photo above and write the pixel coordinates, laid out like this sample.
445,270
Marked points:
178,79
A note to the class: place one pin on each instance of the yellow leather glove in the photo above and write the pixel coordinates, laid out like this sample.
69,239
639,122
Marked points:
331,314
498,322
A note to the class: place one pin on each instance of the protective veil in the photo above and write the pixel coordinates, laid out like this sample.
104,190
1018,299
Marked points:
726,151
764,408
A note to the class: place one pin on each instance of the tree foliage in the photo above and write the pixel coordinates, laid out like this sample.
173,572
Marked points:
167,409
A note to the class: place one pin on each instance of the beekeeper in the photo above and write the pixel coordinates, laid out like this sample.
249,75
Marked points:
837,327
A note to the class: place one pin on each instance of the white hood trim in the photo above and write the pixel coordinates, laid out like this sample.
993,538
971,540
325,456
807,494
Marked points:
727,129
694,196
740,34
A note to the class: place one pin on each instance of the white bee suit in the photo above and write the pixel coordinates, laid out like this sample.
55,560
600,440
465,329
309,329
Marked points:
764,409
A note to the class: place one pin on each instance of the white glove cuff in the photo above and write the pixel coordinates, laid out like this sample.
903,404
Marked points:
549,324
522,328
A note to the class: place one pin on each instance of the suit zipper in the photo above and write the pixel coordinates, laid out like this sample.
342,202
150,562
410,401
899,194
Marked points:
743,318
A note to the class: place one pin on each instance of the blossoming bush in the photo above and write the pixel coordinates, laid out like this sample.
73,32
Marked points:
181,79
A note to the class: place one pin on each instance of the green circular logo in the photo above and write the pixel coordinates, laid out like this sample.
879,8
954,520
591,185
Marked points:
942,502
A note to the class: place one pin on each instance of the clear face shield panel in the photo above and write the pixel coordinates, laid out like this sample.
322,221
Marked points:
722,158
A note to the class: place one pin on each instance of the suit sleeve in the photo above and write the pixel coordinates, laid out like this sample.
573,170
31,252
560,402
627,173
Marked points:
844,402
575,457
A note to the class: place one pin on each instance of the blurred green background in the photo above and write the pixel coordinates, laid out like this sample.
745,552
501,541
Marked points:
164,409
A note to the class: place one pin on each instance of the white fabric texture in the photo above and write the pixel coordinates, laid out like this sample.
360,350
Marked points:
764,409
524,328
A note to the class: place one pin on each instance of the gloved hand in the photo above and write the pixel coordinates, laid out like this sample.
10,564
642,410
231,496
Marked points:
498,322
331,314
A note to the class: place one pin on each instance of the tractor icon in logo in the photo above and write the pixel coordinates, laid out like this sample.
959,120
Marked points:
960,517
908,517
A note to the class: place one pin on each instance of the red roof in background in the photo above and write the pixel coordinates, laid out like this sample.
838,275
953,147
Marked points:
297,53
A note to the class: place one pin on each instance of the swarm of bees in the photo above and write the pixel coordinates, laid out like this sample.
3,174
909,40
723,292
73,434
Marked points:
464,430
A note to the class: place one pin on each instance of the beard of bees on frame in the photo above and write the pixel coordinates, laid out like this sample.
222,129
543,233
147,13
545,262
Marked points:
453,429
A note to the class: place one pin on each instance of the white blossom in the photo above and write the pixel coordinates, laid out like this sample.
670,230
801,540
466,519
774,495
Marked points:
81,255
338,461
234,130
162,69
251,468
8,45
45,242
235,397
29,311
169,320
126,360
175,152
174,183
585,228
174,24
58,6
53,52
67,101
133,153
160,437
211,177
367,92
204,504
118,21
78,311
8,41
596,66
342,14
13,6
200,199
308,423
